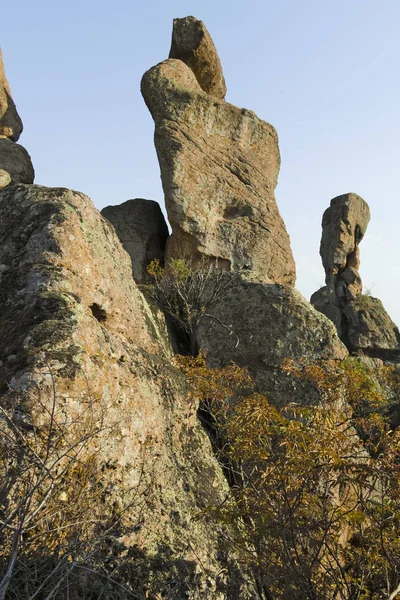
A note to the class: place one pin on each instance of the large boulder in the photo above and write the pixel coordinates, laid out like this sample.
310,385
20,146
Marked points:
14,162
192,44
10,121
258,326
80,345
219,168
142,230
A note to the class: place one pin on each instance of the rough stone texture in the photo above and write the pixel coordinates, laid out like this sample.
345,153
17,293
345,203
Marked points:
70,308
270,323
142,230
10,122
5,179
15,161
361,321
219,168
344,225
370,330
192,44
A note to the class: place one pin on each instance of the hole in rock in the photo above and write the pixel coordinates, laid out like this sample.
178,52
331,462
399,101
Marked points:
98,312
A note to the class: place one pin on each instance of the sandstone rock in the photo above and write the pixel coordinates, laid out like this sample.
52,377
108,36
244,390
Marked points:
15,161
258,326
219,167
142,230
10,122
72,316
192,44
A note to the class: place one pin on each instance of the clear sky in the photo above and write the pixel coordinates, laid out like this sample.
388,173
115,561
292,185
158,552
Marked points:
324,73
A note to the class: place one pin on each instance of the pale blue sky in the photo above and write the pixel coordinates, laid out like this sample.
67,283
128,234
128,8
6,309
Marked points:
324,73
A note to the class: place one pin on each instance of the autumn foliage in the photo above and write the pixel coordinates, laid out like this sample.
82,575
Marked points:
316,488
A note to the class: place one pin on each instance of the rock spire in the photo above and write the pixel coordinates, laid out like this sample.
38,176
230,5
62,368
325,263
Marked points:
219,163
361,320
15,162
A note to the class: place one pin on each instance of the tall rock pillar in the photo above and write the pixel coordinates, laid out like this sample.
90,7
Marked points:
361,320
219,163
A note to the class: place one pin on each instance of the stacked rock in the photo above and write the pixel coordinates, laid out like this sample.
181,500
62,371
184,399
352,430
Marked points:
219,163
15,162
361,320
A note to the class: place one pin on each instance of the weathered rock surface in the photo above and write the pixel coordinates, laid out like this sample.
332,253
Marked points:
10,122
16,162
370,330
269,323
344,225
5,179
142,230
192,44
72,316
361,321
219,168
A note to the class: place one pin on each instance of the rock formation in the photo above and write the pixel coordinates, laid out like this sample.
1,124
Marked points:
73,318
259,325
192,44
219,164
15,162
142,230
361,320
84,353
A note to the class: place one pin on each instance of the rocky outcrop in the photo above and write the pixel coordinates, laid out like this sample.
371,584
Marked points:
15,162
142,230
258,326
219,168
361,321
80,342
192,44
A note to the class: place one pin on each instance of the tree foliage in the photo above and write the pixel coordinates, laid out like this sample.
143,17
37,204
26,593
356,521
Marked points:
320,509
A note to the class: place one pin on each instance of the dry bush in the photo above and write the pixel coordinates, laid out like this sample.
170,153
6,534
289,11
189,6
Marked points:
55,530
186,291
321,515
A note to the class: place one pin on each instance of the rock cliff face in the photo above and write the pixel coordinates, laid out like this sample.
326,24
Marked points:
219,163
74,324
361,320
